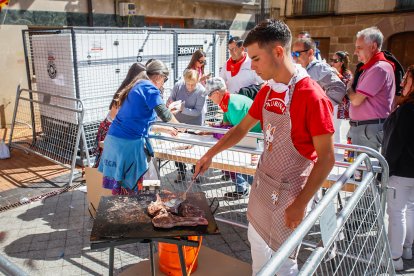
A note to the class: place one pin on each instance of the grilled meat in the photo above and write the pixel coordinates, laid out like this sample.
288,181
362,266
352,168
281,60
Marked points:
187,209
168,220
164,216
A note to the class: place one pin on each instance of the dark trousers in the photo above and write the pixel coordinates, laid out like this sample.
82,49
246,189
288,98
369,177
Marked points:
182,168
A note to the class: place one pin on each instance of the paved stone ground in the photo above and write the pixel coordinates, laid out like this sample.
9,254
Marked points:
51,237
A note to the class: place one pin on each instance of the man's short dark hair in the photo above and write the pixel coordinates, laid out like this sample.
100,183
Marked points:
308,43
268,32
237,39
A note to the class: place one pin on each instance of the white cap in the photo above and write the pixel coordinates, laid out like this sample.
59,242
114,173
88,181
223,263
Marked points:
214,84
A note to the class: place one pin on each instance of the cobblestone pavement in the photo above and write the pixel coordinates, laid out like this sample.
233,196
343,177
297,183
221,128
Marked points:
51,237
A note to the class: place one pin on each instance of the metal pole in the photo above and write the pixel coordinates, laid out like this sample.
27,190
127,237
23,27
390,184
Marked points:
111,260
182,260
29,82
175,56
9,268
152,262
76,146
16,103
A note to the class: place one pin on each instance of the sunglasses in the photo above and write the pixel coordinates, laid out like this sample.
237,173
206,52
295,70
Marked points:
297,53
165,79
334,60
202,61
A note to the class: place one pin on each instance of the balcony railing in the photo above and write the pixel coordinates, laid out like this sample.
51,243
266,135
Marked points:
405,5
313,7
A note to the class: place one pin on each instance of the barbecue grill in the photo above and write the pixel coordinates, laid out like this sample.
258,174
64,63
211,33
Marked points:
124,220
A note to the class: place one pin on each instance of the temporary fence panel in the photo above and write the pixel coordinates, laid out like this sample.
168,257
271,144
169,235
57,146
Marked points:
39,126
345,232
188,148
90,63
214,44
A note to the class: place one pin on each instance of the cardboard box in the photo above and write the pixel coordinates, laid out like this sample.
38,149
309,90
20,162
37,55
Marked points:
94,189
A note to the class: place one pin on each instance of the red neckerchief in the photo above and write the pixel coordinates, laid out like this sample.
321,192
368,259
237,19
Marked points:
377,57
224,104
234,66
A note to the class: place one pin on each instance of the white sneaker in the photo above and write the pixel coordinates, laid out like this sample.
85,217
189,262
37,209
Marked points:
398,264
407,253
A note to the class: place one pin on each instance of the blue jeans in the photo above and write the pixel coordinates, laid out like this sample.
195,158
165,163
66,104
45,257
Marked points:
242,181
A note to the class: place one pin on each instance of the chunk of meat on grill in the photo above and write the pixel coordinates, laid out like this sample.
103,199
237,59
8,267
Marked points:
165,219
187,209
155,207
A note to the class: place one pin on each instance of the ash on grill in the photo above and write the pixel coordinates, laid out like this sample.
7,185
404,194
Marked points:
185,214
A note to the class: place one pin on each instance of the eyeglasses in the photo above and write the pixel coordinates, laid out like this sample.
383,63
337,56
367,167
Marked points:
297,53
202,61
165,79
334,60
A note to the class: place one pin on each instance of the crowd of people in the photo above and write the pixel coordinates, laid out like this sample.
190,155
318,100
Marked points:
285,89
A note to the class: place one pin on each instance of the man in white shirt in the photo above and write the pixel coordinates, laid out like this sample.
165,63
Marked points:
237,72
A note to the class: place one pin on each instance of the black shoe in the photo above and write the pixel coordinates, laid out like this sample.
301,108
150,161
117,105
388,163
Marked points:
180,178
225,177
236,195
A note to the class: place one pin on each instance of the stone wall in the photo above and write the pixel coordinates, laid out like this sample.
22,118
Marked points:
342,29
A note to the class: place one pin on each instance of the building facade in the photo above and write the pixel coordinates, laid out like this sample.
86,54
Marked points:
334,24
234,15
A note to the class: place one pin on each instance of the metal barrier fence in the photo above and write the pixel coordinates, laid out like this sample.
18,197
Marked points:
188,148
47,125
356,245
90,63
345,231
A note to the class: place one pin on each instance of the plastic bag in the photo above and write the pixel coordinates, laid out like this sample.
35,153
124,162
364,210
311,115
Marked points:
4,150
151,181
151,173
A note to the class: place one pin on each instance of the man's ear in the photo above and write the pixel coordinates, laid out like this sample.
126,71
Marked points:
311,52
278,51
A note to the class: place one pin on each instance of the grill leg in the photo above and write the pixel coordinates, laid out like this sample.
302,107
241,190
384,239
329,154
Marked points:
152,258
111,260
182,260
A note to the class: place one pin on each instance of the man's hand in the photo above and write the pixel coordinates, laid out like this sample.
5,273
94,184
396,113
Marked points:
202,165
294,215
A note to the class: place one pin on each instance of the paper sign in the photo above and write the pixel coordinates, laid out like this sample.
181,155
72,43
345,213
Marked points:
328,223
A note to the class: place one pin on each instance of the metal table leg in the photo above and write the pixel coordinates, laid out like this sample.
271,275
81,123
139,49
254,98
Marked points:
182,260
111,260
152,258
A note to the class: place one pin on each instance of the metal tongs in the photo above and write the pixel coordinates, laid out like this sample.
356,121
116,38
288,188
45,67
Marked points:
175,202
